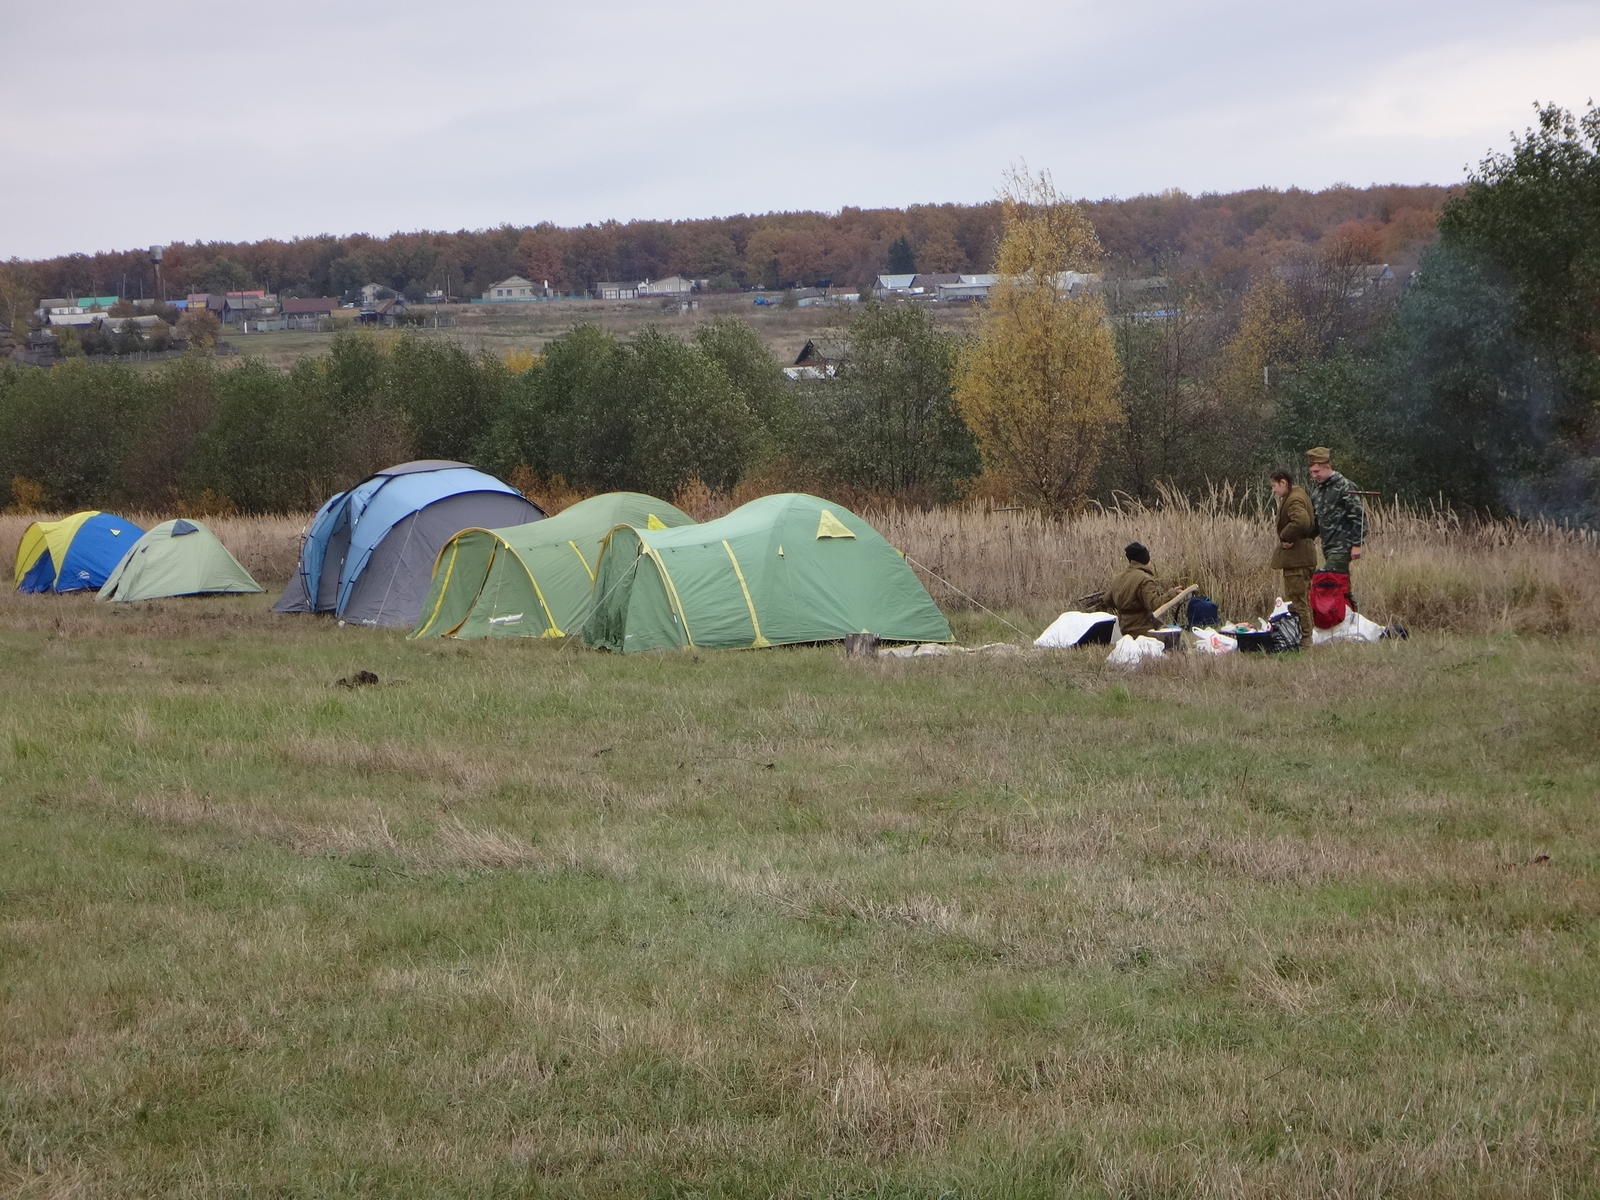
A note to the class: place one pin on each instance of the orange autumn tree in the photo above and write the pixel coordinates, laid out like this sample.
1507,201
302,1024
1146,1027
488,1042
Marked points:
1038,386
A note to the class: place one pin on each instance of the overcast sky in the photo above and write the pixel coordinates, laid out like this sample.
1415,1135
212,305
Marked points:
177,121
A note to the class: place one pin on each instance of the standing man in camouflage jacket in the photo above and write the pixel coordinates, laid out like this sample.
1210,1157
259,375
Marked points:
1341,516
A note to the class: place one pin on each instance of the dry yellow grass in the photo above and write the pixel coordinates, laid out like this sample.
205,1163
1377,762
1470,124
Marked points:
1421,568
1425,568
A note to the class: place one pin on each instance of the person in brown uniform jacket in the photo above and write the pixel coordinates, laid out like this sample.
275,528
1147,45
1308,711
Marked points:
1135,595
1296,552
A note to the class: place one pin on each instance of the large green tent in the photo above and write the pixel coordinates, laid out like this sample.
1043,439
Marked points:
782,569
530,580
176,558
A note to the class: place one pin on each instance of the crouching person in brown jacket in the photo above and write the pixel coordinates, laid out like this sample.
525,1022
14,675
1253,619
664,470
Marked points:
1296,552
1135,595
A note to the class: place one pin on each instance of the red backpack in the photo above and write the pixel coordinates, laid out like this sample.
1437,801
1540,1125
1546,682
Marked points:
1330,598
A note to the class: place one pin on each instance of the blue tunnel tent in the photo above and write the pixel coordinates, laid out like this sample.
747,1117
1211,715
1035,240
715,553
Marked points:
74,554
368,554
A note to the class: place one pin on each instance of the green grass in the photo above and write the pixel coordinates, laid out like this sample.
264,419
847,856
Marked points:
528,920
503,328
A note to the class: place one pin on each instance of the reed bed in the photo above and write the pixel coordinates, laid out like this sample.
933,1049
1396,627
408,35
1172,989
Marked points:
1424,566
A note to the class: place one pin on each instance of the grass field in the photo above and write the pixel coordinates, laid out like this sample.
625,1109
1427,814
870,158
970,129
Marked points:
523,919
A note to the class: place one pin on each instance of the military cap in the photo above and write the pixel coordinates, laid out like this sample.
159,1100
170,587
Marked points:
1319,454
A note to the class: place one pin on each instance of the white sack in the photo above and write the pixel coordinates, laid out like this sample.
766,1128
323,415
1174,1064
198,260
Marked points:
1354,628
1131,651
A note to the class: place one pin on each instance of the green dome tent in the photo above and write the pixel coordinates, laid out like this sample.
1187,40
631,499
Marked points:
782,569
530,580
176,558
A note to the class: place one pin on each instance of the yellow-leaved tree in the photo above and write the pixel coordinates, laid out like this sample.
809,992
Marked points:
1271,336
1038,385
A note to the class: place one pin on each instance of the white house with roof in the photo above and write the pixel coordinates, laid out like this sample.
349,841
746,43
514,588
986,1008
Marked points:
514,288
672,285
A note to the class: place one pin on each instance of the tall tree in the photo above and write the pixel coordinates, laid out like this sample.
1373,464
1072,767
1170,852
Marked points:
1038,386
1464,401
539,256
689,422
754,373
67,430
894,402
1532,218
901,260
19,292
1170,410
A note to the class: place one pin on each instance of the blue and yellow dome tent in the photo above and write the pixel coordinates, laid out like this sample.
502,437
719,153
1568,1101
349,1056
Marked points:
75,554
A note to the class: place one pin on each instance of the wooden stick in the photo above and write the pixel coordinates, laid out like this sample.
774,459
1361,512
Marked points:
1160,612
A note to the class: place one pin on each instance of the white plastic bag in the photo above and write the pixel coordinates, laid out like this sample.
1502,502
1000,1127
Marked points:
1209,641
1131,651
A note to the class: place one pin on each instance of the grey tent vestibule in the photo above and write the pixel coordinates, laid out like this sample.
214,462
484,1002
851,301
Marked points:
368,554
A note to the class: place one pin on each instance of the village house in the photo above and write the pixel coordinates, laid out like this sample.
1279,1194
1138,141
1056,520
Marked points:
308,312
819,358
144,326
386,313
515,288
672,285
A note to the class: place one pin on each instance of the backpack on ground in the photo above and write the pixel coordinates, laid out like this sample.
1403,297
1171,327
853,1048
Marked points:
1201,612
1330,598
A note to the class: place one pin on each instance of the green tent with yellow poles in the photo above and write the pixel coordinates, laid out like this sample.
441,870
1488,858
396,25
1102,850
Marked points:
531,580
784,569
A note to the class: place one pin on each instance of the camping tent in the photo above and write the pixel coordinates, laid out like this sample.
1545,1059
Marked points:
531,580
782,569
368,553
73,554
177,558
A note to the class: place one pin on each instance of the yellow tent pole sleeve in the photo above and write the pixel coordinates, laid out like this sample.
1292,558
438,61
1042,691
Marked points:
58,537
582,559
748,602
33,545
672,591
551,628
444,588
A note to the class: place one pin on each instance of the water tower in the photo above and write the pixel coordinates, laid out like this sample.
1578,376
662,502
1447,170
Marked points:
155,261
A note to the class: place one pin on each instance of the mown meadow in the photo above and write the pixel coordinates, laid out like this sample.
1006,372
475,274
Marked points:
524,919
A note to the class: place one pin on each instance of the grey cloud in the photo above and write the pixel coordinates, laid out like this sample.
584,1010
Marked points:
210,122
